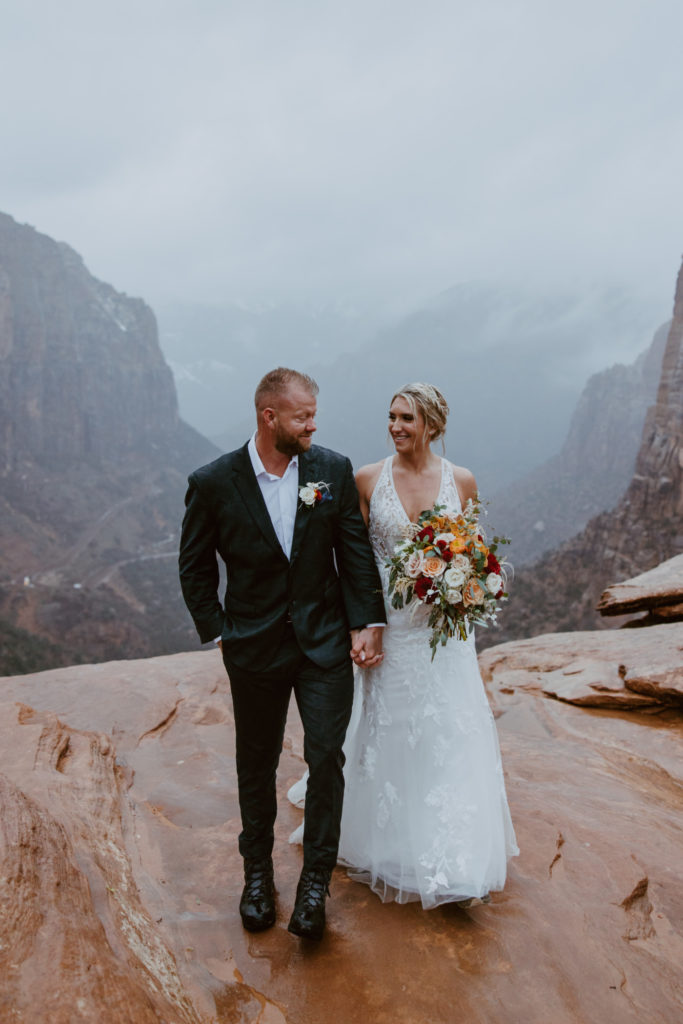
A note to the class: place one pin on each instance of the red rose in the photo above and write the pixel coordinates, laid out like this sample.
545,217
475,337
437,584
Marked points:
422,587
426,534
492,564
445,550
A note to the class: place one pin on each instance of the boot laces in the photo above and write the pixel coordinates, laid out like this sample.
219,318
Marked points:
258,879
314,888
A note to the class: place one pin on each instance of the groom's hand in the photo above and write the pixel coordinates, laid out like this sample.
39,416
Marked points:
366,646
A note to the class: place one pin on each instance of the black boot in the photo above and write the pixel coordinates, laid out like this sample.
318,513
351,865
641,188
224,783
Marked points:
257,905
308,919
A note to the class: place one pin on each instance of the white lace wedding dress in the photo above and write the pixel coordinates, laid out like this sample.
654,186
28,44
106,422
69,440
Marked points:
425,811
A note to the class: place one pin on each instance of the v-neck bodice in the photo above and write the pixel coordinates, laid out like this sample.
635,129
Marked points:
389,522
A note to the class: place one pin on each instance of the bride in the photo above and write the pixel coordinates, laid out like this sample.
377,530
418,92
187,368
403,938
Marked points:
425,812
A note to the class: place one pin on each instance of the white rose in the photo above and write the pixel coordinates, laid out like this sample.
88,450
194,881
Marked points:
494,583
448,537
413,566
307,495
461,562
453,596
454,577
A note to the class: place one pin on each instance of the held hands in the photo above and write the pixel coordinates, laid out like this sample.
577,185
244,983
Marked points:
366,646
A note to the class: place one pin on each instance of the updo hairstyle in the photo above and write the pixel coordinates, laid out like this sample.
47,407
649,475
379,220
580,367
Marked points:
429,401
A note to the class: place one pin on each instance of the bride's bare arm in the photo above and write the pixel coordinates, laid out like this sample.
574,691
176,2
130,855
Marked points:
465,482
366,478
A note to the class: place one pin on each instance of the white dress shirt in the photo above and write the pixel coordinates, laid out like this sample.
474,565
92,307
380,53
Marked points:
280,494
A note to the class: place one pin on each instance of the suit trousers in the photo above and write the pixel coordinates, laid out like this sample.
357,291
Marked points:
260,702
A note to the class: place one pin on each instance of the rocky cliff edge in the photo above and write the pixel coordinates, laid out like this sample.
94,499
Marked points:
118,845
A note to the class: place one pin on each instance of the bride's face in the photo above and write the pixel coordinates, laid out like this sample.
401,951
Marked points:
407,429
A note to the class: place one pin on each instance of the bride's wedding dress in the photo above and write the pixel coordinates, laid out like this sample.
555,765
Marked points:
425,811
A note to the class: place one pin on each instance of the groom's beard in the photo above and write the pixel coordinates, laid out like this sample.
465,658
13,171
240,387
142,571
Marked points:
292,444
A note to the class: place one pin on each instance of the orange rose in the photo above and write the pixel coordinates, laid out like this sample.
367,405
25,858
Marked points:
458,544
473,593
479,544
433,567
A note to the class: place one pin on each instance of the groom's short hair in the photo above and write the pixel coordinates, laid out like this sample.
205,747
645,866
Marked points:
277,381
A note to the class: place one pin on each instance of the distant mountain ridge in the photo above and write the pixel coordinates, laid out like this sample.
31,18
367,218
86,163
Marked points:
82,373
560,591
93,460
593,467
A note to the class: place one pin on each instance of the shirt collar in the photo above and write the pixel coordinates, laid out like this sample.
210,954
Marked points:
259,468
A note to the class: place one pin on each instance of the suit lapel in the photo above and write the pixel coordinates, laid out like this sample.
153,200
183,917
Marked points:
250,492
308,466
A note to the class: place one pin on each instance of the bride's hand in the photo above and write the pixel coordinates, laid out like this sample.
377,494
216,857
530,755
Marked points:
366,646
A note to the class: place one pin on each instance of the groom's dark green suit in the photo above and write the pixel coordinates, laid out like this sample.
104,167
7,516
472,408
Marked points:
284,625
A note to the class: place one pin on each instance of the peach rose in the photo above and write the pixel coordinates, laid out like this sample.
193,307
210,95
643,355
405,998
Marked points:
473,593
433,567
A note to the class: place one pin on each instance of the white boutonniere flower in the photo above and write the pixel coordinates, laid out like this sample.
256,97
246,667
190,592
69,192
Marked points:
315,493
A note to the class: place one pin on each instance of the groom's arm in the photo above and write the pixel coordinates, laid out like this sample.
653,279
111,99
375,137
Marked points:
198,566
360,582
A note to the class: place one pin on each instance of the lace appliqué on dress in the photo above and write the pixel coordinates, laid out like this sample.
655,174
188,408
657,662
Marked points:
425,814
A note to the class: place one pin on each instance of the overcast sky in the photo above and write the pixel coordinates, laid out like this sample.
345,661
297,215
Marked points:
272,150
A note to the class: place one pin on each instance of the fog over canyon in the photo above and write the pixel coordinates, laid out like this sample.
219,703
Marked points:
95,450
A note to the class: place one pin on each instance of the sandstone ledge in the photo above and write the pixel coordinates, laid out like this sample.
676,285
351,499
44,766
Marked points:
118,829
656,590
632,668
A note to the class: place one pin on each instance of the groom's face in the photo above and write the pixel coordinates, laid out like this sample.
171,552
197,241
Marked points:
294,420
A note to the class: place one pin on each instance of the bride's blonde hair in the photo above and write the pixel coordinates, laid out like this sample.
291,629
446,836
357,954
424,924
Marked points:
429,401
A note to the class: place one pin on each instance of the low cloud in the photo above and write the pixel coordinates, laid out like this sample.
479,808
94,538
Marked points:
372,151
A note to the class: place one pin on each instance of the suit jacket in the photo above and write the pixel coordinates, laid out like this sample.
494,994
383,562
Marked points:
329,585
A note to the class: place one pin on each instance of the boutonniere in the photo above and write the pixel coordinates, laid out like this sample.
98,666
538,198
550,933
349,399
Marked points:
314,494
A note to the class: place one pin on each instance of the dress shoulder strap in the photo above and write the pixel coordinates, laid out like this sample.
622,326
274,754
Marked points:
450,495
383,481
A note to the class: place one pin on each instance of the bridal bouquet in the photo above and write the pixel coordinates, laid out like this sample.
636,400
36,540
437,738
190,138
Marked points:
448,564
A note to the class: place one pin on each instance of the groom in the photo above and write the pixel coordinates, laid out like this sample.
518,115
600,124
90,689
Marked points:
303,601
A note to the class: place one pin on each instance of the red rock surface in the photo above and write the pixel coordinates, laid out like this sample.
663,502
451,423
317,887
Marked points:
594,669
658,590
118,826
